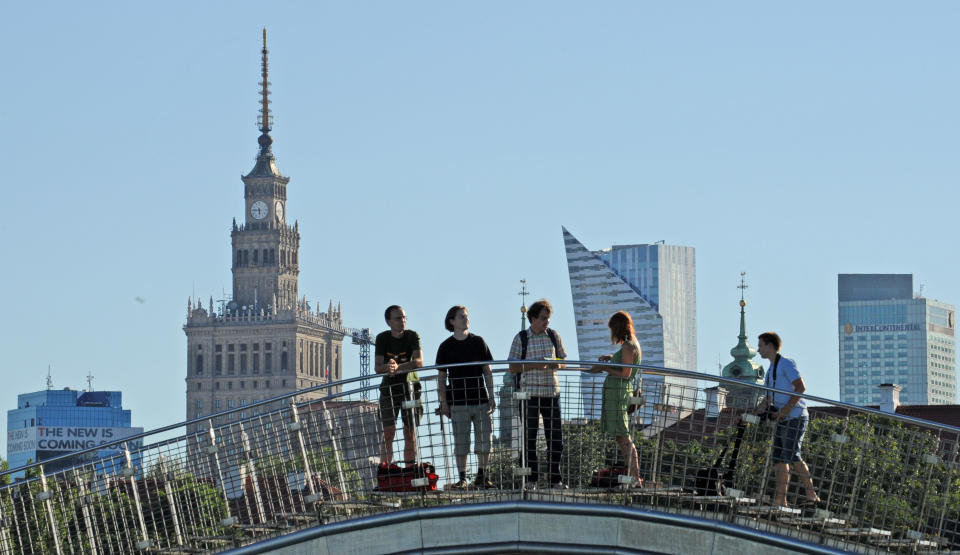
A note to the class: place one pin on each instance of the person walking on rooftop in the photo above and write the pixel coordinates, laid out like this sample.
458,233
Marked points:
790,413
618,388
466,395
540,345
397,355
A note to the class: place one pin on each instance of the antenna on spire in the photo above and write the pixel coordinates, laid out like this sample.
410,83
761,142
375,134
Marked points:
89,381
264,120
49,378
743,285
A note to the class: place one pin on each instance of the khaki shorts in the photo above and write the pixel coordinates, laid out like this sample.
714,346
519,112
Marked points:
462,416
391,403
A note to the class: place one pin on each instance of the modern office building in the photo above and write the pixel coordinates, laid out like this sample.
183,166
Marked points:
656,285
889,335
54,422
266,340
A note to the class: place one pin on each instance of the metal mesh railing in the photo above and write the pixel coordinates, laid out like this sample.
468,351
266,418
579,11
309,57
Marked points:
886,483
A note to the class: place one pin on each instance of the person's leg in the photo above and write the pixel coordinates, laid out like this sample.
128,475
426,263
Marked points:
552,425
386,449
461,438
630,456
796,429
532,426
780,489
780,457
483,430
388,416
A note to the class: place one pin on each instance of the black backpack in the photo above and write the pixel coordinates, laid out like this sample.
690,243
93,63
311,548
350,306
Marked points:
525,338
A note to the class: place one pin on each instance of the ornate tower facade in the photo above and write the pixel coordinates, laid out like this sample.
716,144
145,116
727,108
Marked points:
266,340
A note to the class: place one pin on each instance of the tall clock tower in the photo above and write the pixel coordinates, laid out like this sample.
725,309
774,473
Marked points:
266,340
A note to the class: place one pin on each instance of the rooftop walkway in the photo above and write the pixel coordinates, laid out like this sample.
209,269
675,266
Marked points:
299,474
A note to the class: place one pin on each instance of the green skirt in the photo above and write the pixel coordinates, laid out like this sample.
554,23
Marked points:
613,414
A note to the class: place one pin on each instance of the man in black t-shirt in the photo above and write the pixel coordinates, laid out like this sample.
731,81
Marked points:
397,355
466,395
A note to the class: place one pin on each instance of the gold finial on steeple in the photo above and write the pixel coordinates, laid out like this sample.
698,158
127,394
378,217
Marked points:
743,285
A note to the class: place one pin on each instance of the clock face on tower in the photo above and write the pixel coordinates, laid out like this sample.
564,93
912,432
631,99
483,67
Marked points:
278,209
259,210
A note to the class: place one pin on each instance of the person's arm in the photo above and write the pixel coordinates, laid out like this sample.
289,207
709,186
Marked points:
798,387
561,354
488,381
416,361
442,392
517,367
628,352
384,367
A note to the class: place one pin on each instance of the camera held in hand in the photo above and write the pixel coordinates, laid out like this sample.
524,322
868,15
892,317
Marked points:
770,413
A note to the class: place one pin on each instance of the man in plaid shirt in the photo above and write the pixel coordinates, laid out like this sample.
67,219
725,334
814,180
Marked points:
540,381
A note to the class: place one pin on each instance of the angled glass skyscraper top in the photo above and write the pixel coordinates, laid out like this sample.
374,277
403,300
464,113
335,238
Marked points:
887,335
656,285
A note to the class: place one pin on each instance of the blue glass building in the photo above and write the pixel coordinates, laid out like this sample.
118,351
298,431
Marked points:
888,335
52,422
656,285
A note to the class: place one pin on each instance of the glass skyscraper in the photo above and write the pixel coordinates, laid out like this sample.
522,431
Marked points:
656,285
54,422
888,335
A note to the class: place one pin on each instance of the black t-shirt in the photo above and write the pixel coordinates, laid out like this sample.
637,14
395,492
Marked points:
400,349
465,383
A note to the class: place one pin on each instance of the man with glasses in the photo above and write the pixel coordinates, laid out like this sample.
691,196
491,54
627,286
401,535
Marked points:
397,356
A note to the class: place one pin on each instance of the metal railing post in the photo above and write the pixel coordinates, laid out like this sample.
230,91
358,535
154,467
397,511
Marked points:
46,495
211,451
130,472
336,448
84,501
295,429
250,468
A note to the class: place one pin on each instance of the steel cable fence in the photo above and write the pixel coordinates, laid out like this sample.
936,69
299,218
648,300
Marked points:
885,482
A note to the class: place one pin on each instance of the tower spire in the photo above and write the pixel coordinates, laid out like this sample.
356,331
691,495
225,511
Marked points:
264,120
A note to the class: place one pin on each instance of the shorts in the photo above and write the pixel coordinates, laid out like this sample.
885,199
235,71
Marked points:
788,439
462,416
391,403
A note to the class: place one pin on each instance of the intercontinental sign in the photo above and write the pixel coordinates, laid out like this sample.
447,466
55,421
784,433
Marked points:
849,328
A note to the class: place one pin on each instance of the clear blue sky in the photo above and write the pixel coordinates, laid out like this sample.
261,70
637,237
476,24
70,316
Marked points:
435,149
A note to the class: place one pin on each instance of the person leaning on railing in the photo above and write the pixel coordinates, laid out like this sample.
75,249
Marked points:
397,355
618,388
790,413
468,399
540,345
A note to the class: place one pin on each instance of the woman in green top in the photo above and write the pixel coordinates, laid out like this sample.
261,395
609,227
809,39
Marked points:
618,388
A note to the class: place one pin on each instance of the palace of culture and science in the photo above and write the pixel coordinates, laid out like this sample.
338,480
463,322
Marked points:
266,341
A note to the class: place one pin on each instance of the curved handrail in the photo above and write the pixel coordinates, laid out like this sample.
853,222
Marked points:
311,457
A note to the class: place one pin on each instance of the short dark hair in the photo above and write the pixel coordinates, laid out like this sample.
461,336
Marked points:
386,313
771,338
538,307
451,314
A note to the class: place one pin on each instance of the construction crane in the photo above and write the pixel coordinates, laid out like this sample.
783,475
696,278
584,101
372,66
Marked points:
361,337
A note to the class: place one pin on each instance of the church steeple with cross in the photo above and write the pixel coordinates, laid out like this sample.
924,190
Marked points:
743,367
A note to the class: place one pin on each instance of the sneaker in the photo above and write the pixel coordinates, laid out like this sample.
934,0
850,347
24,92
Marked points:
462,484
483,484
558,486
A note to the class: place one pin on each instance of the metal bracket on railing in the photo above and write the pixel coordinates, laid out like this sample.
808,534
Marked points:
625,480
751,418
521,396
840,438
522,471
